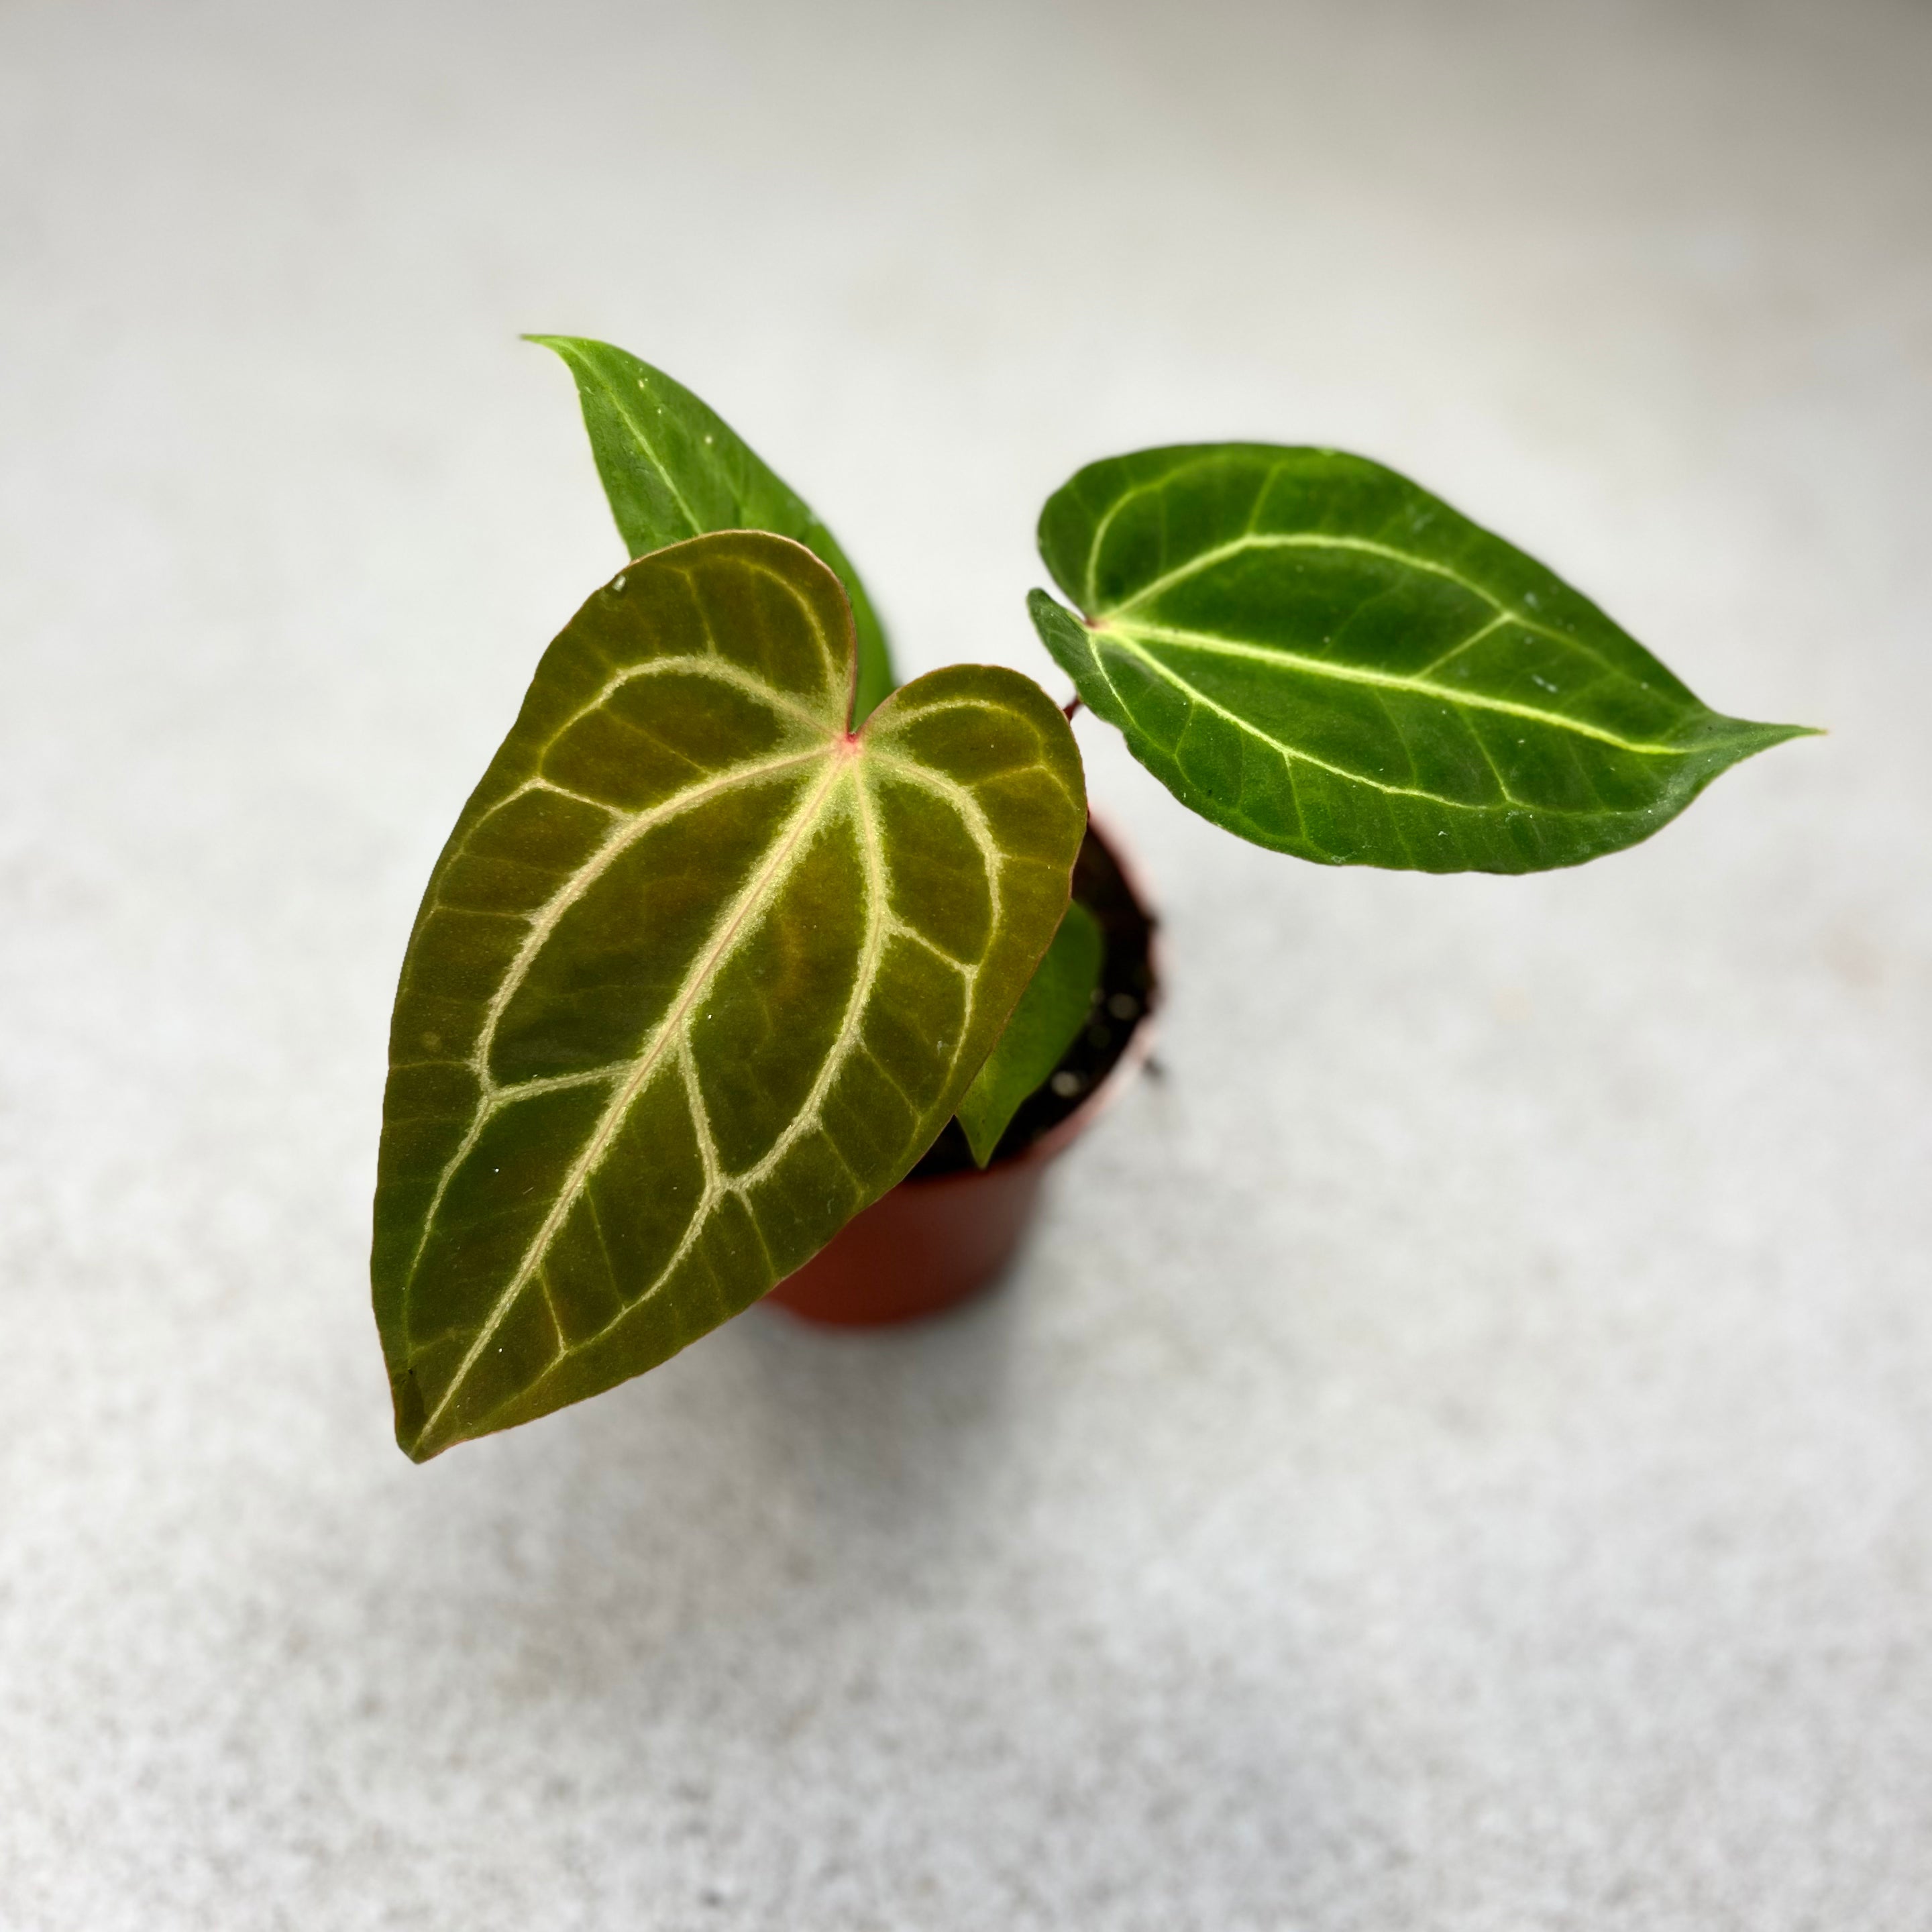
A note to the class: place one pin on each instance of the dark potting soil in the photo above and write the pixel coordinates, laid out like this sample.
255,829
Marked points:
1127,990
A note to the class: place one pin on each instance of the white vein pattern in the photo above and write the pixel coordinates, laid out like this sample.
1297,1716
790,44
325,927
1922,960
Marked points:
496,1095
1291,754
1251,538
838,777
846,786
1293,704
1137,634
634,1075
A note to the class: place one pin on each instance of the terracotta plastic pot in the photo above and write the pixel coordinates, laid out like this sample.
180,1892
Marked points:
934,1241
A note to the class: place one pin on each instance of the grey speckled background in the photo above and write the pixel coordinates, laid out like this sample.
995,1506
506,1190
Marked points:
1455,1456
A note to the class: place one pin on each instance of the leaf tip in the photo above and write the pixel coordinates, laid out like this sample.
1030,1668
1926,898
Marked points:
411,1418
1751,738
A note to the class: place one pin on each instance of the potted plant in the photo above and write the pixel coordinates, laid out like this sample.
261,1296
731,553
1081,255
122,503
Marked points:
733,931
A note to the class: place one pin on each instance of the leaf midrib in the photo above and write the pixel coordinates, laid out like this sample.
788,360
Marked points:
493,1094
643,1067
881,923
1287,752
1509,802
1347,673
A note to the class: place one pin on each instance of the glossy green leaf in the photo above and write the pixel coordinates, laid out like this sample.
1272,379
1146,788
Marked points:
1052,1012
673,468
1311,651
699,974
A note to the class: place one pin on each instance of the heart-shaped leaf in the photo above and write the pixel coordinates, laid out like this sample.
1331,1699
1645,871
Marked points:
1311,651
1051,1011
699,974
673,468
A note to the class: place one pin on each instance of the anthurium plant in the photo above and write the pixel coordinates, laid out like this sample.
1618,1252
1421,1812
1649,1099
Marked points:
734,926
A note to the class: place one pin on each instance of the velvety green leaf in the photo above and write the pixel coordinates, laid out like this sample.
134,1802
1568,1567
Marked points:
1051,1011
1313,652
674,468
699,974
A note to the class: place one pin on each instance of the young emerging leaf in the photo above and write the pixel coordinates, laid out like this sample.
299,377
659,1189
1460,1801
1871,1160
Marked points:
673,468
1311,651
699,974
1052,1012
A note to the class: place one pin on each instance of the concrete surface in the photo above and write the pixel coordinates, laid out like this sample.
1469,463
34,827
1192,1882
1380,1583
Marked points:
1456,1454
